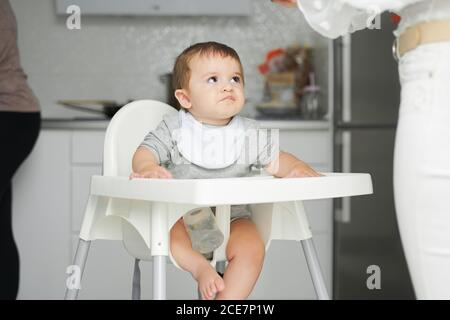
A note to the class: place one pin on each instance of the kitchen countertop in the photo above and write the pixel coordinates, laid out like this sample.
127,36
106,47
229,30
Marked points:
102,124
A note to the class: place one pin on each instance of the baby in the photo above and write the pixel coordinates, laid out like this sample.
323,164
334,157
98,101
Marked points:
209,86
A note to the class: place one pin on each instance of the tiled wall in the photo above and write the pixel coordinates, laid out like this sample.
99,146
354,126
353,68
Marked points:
121,58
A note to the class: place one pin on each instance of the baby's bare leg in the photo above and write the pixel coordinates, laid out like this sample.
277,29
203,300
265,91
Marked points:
245,253
209,282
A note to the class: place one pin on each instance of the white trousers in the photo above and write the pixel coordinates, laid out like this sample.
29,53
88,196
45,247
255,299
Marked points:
422,168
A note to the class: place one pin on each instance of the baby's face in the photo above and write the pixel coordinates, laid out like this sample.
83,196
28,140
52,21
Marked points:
216,90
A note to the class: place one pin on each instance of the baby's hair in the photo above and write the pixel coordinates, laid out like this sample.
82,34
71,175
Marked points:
181,72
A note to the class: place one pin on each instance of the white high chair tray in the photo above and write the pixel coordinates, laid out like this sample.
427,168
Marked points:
225,191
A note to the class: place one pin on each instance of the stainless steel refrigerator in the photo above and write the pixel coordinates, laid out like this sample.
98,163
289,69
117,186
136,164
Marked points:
366,100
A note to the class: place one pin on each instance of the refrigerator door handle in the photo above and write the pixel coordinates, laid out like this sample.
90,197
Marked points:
343,214
346,115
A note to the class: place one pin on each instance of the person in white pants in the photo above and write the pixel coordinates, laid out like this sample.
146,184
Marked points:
422,147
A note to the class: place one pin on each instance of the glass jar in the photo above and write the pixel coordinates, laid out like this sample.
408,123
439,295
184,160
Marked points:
311,106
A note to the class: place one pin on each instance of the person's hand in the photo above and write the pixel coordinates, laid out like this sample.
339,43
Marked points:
156,172
286,3
301,169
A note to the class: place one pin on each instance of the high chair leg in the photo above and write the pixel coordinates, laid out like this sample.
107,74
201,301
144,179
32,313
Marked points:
159,277
314,269
73,284
136,291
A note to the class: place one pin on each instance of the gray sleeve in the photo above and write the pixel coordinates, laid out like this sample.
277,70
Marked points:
268,146
262,145
160,142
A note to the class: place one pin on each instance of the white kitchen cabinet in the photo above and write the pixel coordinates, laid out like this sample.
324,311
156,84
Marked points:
87,147
313,146
41,216
51,191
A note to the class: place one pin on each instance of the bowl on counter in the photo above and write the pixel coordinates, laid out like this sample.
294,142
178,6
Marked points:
265,111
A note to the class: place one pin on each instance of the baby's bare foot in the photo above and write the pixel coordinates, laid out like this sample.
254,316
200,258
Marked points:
209,281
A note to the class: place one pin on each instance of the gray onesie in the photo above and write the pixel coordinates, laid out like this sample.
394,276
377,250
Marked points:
255,155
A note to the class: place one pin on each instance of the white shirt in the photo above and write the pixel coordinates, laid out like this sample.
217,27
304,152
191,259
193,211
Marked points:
334,18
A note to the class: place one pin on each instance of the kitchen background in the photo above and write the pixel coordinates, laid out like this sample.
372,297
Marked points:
121,57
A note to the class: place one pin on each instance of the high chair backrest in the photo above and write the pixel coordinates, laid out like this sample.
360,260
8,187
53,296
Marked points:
124,134
126,131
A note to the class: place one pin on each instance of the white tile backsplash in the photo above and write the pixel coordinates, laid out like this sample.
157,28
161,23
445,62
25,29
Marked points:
121,58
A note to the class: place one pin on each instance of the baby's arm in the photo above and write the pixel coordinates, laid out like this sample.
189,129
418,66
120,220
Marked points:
145,165
288,166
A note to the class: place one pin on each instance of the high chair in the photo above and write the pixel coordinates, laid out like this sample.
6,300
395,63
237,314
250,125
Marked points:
141,212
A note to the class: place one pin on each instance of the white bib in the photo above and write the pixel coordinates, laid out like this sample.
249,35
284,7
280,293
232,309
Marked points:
207,146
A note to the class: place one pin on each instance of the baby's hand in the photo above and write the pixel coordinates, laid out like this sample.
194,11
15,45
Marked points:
156,172
301,169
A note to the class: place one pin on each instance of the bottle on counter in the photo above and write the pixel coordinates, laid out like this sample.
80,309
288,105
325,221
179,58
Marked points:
311,106
203,231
